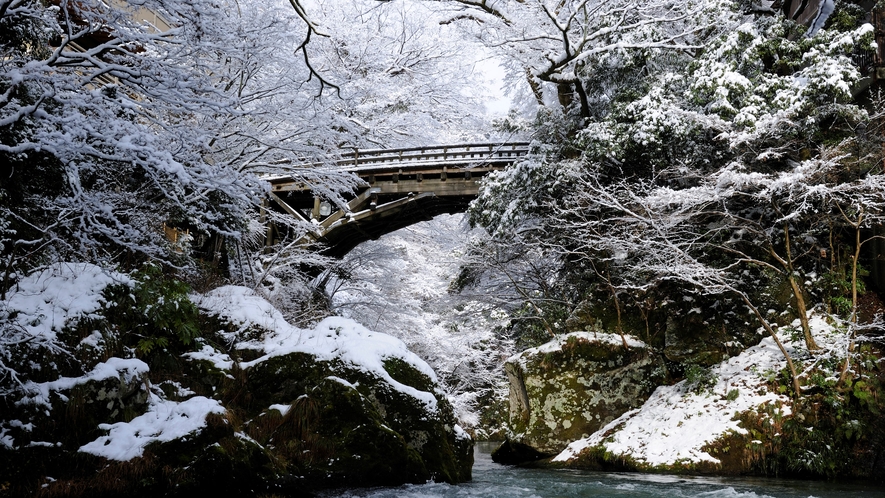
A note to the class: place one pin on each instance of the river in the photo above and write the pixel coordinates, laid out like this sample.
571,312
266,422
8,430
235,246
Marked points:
491,480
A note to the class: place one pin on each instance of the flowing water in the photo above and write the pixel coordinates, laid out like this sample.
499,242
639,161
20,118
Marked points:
491,480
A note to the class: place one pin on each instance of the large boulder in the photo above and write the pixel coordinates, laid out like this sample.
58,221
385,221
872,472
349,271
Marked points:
251,406
349,426
335,405
740,419
570,387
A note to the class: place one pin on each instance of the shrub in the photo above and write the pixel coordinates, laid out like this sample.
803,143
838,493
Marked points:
160,310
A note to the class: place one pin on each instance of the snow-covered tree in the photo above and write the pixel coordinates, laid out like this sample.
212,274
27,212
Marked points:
399,284
99,137
403,79
719,173
563,43
117,118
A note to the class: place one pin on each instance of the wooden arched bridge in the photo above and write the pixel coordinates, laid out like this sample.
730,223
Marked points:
402,187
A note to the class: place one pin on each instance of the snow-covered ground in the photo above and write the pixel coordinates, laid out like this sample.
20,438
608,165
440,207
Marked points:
677,421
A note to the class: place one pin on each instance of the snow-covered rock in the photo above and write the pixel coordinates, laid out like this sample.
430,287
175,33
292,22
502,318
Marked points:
253,403
570,387
740,418
374,409
677,421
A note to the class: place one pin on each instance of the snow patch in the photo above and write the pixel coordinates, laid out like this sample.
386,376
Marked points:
597,337
221,361
94,339
334,338
676,422
283,409
47,301
164,421
341,381
125,369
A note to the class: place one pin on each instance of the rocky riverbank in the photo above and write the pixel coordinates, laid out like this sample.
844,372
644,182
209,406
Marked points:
737,417
249,405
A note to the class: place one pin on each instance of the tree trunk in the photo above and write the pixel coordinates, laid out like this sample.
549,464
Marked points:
777,341
535,86
852,322
801,308
582,95
618,311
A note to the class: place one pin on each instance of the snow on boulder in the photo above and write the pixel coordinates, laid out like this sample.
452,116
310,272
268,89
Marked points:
164,421
47,301
372,410
334,338
570,387
126,376
677,422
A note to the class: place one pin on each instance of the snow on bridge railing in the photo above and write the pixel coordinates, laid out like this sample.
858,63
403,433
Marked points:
470,155
461,153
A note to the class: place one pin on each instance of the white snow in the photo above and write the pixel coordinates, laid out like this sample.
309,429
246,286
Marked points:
164,421
283,409
400,285
221,361
333,338
94,339
460,433
341,381
598,337
125,369
6,440
47,301
180,390
675,423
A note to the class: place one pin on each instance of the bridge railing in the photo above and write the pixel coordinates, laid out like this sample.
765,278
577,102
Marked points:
381,161
461,153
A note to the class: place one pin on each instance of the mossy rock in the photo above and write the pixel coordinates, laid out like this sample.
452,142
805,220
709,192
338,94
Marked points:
688,330
292,424
568,389
214,460
684,344
70,416
354,427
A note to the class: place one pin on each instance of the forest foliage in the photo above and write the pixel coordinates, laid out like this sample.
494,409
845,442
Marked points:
138,135
685,154
736,164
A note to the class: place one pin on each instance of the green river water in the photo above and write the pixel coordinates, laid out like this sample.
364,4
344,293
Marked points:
491,480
